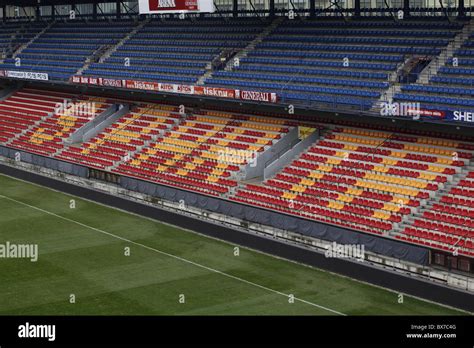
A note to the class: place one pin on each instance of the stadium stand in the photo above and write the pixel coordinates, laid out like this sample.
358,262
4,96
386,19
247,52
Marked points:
363,179
25,109
48,136
447,224
13,36
154,53
351,64
204,152
451,87
65,48
375,181
113,143
380,178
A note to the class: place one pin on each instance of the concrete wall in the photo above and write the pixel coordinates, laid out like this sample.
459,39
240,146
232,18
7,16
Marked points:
255,169
98,124
289,155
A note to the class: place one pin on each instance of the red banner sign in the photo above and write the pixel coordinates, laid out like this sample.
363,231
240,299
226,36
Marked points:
258,96
173,5
214,92
219,92
146,86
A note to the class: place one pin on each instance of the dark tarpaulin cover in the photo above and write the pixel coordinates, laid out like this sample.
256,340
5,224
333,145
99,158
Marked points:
376,244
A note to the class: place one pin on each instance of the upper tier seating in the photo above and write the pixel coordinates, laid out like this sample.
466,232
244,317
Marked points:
452,88
347,65
65,47
13,35
176,50
324,62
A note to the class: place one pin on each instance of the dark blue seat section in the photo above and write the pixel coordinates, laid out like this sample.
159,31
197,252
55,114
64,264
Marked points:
326,55
45,69
282,88
359,40
335,48
336,100
289,93
63,49
14,34
151,69
305,70
53,73
80,36
319,63
54,52
48,57
438,89
414,24
456,71
331,60
71,46
465,52
154,45
437,100
301,79
362,33
195,37
138,50
163,48
452,80
461,61
44,62
119,62
139,76
186,57
200,28
452,88
75,41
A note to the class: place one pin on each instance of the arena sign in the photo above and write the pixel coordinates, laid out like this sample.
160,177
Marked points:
175,6
257,96
28,75
266,97
462,116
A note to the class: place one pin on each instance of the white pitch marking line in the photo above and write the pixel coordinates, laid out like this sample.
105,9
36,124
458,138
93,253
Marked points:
173,256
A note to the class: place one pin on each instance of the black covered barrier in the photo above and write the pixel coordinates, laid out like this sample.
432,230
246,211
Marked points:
46,162
379,245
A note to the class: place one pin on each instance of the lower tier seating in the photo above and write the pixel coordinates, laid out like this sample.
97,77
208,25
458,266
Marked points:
449,224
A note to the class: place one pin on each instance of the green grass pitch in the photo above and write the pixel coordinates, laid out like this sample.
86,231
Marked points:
82,252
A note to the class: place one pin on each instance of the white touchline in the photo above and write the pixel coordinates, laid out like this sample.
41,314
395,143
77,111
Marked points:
172,256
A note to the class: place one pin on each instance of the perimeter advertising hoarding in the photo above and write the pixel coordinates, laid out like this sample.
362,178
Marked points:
175,6
220,92
28,75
